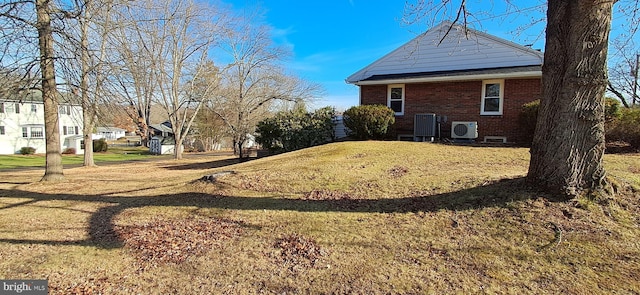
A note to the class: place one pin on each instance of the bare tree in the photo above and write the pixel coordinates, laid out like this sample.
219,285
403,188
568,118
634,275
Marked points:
53,167
163,58
186,78
83,65
253,82
623,73
47,19
568,146
130,63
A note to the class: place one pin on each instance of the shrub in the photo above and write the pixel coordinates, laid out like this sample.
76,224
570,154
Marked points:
612,110
626,128
297,129
529,115
69,151
27,150
100,145
369,121
527,120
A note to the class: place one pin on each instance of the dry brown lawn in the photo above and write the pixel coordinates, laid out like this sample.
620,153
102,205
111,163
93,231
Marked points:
344,218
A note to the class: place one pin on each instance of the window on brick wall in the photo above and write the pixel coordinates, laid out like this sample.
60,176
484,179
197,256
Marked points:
492,97
395,98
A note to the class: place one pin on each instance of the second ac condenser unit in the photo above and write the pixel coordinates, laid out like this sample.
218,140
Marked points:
464,130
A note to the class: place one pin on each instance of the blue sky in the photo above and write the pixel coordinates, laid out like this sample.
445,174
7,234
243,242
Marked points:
332,39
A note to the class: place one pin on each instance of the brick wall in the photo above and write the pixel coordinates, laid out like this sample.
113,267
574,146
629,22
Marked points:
459,101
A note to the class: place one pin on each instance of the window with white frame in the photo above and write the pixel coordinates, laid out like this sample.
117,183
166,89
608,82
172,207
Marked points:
65,110
492,97
395,98
1,107
70,130
34,107
11,108
2,130
37,132
33,132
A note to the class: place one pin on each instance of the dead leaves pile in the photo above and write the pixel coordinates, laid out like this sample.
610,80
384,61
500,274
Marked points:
297,252
324,194
174,241
398,171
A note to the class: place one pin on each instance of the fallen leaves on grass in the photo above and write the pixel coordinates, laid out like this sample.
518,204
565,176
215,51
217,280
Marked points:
297,251
398,171
324,194
174,241
80,289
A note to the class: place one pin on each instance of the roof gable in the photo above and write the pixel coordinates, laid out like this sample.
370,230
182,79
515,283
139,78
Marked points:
448,47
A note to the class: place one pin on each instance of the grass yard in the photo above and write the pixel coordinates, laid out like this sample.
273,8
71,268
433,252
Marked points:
114,154
344,218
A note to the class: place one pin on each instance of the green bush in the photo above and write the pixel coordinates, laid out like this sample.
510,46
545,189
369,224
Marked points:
297,129
612,109
529,115
626,128
527,120
27,150
369,121
100,145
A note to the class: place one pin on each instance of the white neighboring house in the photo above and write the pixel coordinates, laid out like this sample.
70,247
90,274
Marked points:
22,124
109,133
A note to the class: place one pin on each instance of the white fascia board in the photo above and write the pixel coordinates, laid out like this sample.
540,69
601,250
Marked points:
531,74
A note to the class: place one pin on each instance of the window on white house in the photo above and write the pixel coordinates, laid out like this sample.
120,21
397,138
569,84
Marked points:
9,108
395,98
37,132
17,108
65,110
33,132
1,130
34,107
1,107
492,97
69,130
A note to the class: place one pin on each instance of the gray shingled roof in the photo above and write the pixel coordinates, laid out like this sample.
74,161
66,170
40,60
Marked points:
507,70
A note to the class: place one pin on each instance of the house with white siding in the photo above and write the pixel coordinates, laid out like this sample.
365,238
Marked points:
22,123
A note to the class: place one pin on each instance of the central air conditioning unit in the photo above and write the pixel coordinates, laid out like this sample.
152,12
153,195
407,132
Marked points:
464,130
424,127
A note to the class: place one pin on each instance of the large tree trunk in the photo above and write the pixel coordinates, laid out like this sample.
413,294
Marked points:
53,167
568,145
88,113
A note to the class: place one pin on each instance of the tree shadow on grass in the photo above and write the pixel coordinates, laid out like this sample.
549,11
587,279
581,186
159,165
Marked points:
205,165
102,229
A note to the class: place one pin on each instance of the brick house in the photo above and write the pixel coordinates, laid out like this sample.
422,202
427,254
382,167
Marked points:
453,75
